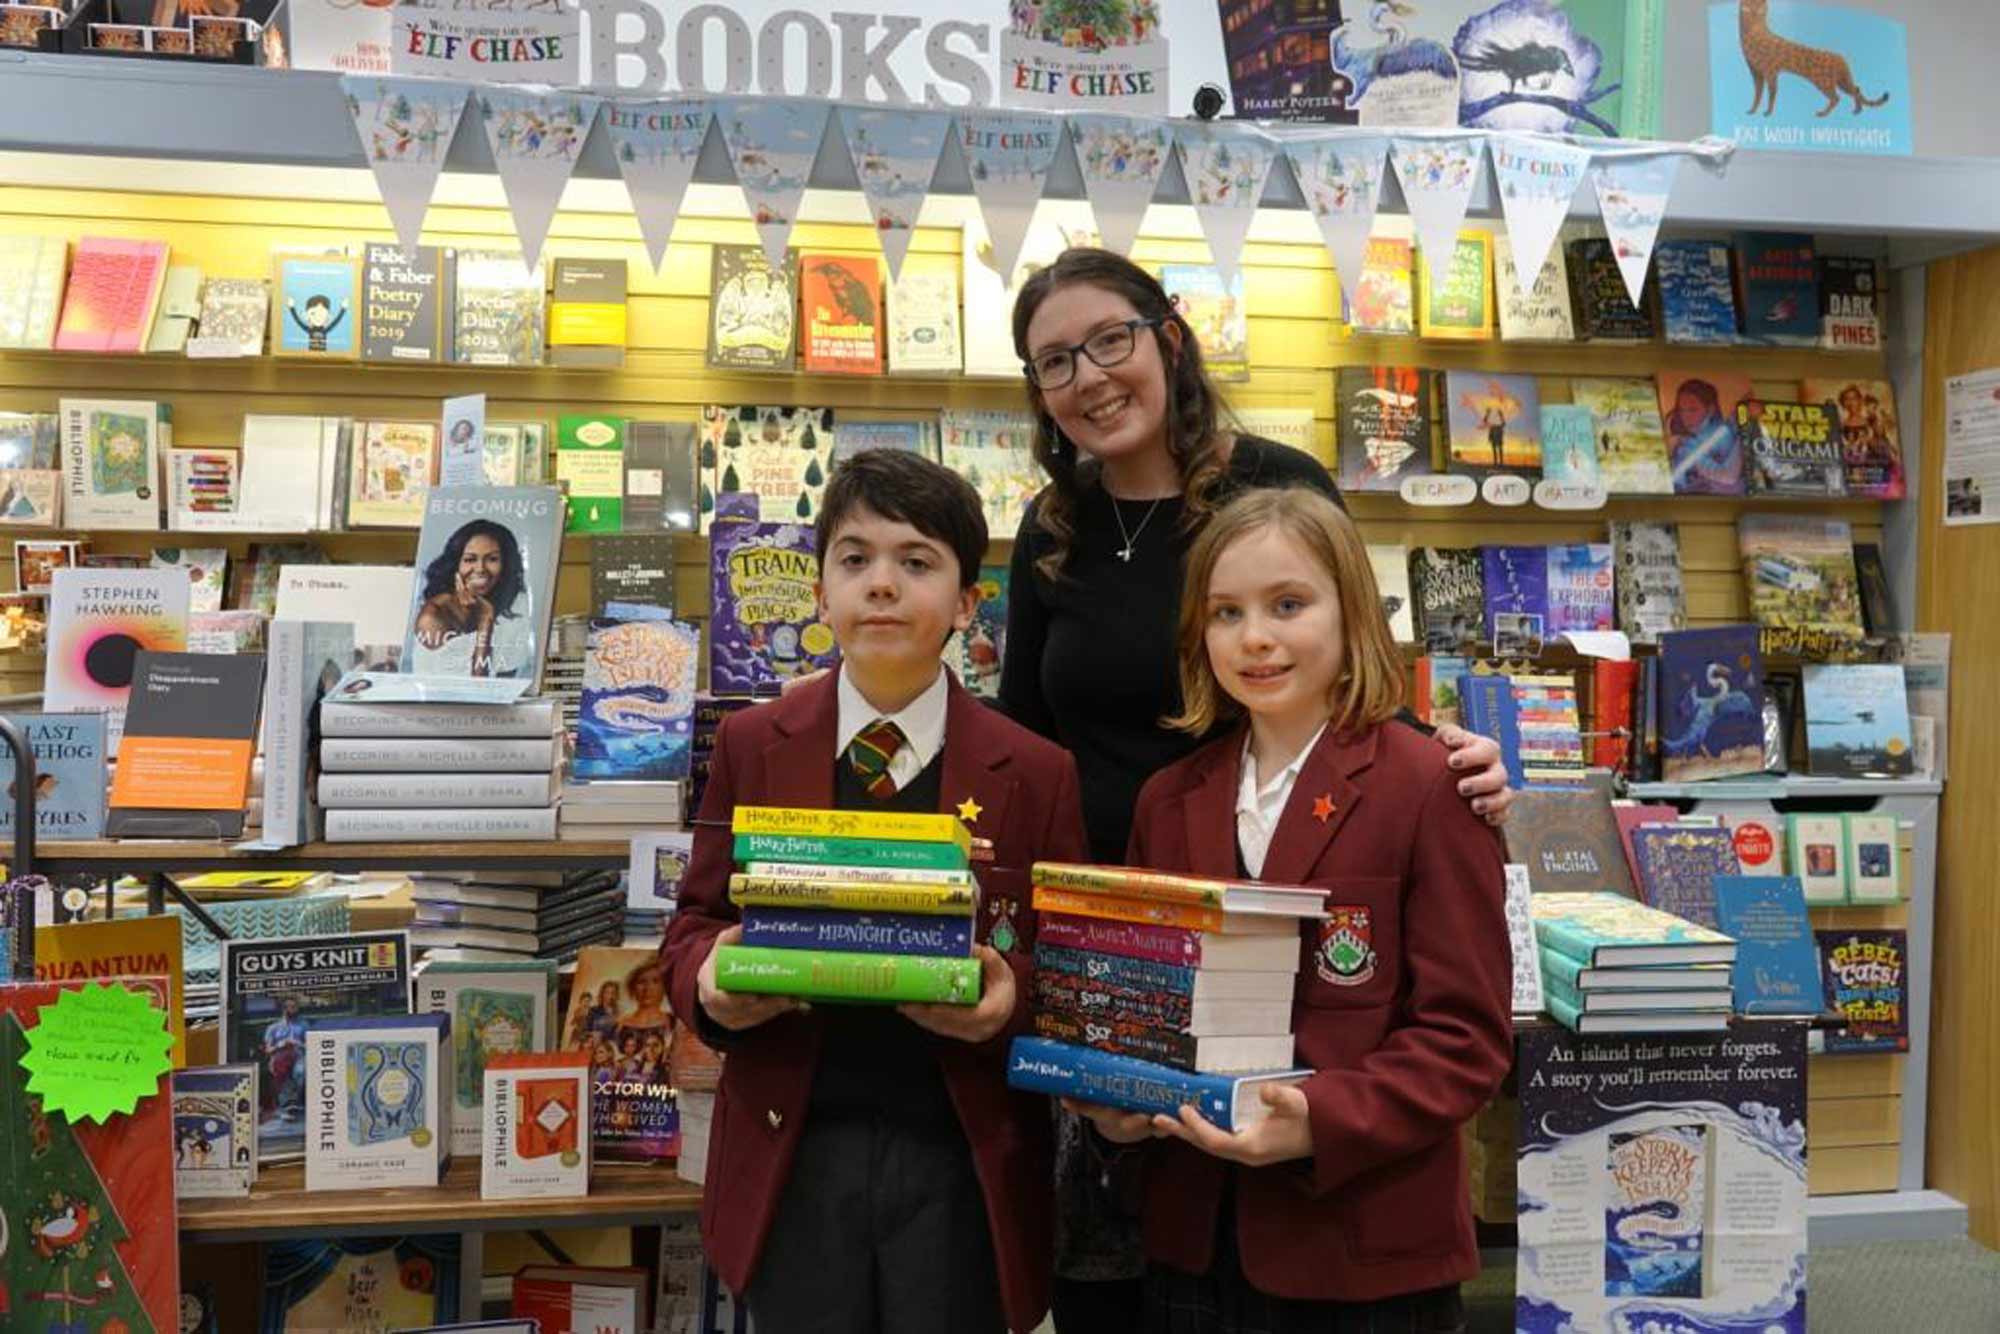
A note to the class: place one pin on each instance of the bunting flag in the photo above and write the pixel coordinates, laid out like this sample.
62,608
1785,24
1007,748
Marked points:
1438,173
1008,156
772,143
406,127
1226,166
657,145
1536,179
1632,195
536,135
895,151
1122,158
1341,179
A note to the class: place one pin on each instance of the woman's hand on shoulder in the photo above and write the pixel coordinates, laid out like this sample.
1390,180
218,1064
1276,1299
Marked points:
1484,773
1284,1134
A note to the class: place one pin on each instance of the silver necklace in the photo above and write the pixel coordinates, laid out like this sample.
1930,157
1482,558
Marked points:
1124,553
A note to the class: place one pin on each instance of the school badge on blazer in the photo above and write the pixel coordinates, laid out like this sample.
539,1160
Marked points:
1346,953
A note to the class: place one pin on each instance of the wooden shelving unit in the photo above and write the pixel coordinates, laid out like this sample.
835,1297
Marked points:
133,856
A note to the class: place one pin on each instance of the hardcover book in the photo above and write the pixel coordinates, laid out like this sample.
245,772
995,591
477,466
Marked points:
1542,314
1516,582
443,825
1461,307
924,318
405,295
1449,588
1871,442
366,1282
1229,1102
535,1127
636,569
848,978
590,468
235,317
1858,720
215,1132
575,1299
1218,313
780,455
1776,970
1792,449
1803,590
32,274
618,1015
1697,292
1850,312
274,992
372,599
1711,703
190,734
99,620
1391,567
1604,930
836,851
485,582
1569,445
146,952
1866,980
1384,300
394,465
1652,598
975,655
378,1110
1631,446
1777,279
206,569
764,625
113,294
1551,728
1495,422
312,309
69,775
496,310
306,660
587,313
1659,1190
496,1009
840,314
1604,309
1678,865
995,452
1580,587
1383,418
637,716
1488,707
753,310
111,462
857,932
1698,413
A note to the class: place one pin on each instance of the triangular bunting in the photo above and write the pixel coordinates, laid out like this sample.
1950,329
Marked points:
1122,158
657,145
772,143
1008,154
1536,179
1341,179
536,136
1226,166
1632,195
895,153
1438,173
406,127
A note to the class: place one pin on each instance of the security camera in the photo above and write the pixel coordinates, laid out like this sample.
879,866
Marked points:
1208,101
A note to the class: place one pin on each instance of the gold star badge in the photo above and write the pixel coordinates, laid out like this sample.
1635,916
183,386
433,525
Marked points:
968,810
1323,807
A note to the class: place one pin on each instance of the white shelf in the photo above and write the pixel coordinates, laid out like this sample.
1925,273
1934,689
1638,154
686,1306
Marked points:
1900,1215
1779,787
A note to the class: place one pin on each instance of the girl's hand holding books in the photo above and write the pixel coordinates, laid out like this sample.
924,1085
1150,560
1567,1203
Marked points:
738,1010
1282,1135
973,1023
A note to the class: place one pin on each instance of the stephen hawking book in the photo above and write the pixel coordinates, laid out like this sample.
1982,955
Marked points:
496,310
1604,309
1777,285
781,455
637,715
1652,598
924,318
1866,979
840,314
1800,577
1217,312
1698,414
1448,585
215,1131
313,305
393,466
1711,703
1580,587
976,654
99,620
1461,307
1871,443
1858,720
764,627
753,314
1677,866
485,581
1383,417
69,775
995,452
618,1015
190,734
1697,296
1657,1211
1631,448
1384,301
1495,422
404,297
111,462
378,1101
1776,970
1850,309
590,468
275,991
1516,584
1542,314
1792,449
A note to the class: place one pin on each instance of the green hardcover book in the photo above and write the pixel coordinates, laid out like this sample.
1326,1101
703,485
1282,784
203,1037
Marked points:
590,467
1607,930
823,851
831,975
1580,977
1652,1021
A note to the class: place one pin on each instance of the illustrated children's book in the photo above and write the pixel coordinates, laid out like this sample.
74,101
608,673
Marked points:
1495,422
1657,1212
1217,312
1792,449
618,1015
1631,450
485,582
314,305
1460,307
924,317
1777,279
1858,720
1697,296
636,720
976,654
764,625
1871,442
1603,306
69,775
753,314
1711,715
1384,301
1569,445
1516,583
394,464
780,455
1866,978
1383,417
328,1284
1647,566
1698,412
1580,587
1448,585
215,1131
1800,576
995,452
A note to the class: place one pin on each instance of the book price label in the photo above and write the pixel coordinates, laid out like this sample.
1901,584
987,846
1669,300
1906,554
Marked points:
97,1051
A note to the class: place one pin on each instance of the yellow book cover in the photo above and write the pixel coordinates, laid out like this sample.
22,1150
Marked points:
769,891
903,826
137,947
1461,308
1188,917
1125,882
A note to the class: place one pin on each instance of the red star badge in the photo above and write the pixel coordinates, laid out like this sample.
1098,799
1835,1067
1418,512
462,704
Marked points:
1323,807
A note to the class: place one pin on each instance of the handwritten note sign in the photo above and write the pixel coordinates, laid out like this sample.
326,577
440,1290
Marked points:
97,1051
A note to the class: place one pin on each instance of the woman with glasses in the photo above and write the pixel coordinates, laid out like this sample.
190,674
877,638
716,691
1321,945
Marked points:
1131,433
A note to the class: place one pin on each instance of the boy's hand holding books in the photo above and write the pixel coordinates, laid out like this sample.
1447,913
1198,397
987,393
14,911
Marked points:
738,1010
1285,1133
972,1023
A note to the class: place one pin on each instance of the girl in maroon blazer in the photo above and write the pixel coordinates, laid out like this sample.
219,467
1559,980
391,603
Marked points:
1346,1206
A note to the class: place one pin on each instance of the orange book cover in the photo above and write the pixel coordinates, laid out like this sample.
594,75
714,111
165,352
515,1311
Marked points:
145,952
1155,911
840,318
190,736
114,293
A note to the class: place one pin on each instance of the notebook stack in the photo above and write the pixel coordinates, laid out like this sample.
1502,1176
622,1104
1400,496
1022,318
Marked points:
1155,990
432,773
858,906
1612,965
497,916
619,808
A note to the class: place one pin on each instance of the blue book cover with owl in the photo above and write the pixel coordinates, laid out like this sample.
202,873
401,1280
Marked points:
1711,703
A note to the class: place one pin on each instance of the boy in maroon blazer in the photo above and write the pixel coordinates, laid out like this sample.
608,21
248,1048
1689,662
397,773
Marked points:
869,1170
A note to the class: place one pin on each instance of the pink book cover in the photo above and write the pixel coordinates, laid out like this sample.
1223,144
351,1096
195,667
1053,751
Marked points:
1630,818
113,287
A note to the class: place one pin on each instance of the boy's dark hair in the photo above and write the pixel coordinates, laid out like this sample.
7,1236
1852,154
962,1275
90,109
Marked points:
907,488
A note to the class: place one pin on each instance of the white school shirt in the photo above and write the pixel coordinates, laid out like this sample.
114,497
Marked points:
921,722
1259,809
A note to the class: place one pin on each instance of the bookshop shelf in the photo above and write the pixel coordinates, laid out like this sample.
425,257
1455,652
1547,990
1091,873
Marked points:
147,856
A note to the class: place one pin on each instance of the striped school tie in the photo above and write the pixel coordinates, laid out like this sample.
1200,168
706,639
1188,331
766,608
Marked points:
870,752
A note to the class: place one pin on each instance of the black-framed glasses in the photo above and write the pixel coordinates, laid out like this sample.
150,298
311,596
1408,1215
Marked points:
1106,348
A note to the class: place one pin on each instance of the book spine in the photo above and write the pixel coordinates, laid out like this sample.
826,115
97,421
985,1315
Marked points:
1131,940
1038,1065
1564,1013
858,933
441,825
906,827
530,718
1645,37
845,976
394,755
1146,912
895,875
1134,1005
363,791
848,852
1113,970
1561,938
1127,883
769,892
285,740
1120,1039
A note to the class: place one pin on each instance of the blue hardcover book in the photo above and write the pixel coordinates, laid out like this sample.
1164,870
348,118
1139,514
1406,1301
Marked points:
1488,708
1156,978
1678,866
1229,1102
1580,587
1606,930
1777,966
69,774
1858,720
1516,581
636,719
1777,278
1697,291
858,933
1711,715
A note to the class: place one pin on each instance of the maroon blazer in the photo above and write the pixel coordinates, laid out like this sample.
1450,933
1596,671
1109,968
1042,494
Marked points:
1402,1008
1025,791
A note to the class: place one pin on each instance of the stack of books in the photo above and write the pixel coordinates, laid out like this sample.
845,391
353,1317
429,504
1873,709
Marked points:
562,667
440,772
852,906
1613,965
497,916
620,808
709,711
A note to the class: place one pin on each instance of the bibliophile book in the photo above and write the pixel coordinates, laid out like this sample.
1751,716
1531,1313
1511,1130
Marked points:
976,654
1383,420
587,312
618,1015
1604,930
314,296
1603,308
1800,577
1449,588
1698,413
535,1127
993,450
1652,598
1217,312
1776,969
1540,315
1567,840
1569,445
234,320
496,1009
1871,441
99,621
190,734
113,295
1711,712
215,1131
111,462
1461,307
1777,279
1487,705
1850,310
405,295
378,1101
1697,291
1677,867
1865,976
69,775
636,721
33,270
1391,567
1858,720
780,455
753,309
924,317
1631,446
1495,422
497,310
1384,301
1792,449
764,625
484,589
840,314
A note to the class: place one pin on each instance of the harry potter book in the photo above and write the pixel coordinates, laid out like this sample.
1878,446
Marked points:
1383,301
753,309
1800,577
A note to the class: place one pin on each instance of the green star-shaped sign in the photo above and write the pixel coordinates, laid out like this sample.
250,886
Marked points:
96,1051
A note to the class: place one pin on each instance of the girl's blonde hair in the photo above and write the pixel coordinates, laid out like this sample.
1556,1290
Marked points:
1369,686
